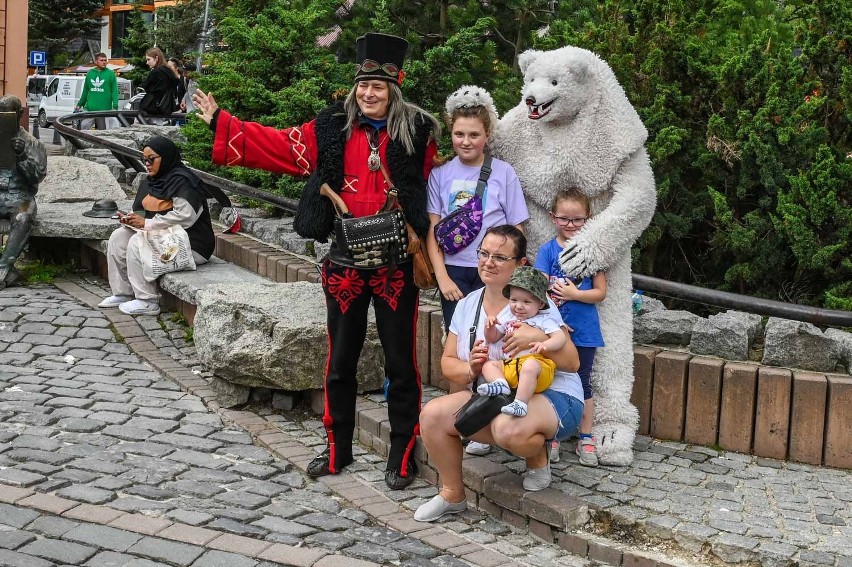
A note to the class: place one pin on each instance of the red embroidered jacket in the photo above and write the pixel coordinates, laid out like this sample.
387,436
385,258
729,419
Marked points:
293,151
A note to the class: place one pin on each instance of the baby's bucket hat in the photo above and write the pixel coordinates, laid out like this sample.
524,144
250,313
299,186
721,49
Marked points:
530,279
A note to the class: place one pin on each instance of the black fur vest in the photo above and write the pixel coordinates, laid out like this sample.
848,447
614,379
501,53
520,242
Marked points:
315,215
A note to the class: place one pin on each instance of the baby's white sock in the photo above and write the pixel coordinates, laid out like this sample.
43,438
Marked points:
516,408
494,388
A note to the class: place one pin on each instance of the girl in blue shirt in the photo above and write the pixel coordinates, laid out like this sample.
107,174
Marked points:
576,299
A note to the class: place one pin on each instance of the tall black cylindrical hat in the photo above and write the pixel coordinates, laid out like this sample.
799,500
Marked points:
380,56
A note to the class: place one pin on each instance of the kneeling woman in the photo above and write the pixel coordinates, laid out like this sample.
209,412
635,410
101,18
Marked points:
171,195
553,414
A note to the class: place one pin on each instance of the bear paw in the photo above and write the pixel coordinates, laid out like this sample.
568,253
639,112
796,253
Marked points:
615,444
576,260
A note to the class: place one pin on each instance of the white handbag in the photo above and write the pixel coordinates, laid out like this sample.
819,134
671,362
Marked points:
164,251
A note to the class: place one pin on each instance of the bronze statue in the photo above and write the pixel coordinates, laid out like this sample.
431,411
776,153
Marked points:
23,164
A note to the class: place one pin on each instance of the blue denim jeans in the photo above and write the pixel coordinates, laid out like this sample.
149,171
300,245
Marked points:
568,410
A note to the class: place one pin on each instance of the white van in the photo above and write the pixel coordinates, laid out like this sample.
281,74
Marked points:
36,85
62,95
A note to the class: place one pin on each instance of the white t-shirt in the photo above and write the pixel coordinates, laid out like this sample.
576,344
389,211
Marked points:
541,320
463,319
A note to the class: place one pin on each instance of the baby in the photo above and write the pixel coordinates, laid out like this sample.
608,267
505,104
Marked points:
529,372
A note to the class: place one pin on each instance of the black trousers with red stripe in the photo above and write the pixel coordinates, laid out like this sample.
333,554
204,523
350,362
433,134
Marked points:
348,292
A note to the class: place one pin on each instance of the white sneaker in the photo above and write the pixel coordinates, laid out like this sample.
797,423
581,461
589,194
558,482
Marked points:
587,451
437,508
477,448
114,301
140,307
537,479
554,451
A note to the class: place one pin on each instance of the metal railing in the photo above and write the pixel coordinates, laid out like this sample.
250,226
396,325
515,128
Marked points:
130,157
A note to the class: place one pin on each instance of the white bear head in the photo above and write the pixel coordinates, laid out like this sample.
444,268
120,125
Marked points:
558,84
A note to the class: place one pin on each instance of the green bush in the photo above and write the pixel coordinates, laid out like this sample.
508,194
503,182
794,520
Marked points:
748,105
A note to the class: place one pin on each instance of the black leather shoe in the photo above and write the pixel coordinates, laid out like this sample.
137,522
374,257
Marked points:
397,482
319,466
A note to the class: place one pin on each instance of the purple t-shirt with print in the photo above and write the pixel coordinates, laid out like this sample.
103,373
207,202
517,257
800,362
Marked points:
452,184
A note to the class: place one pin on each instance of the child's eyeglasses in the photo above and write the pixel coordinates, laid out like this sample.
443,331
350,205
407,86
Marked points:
150,159
569,221
498,258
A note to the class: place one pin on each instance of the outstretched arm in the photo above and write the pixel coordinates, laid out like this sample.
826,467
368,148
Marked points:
292,151
611,232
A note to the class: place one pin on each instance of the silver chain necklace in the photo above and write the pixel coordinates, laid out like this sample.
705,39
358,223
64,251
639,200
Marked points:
374,162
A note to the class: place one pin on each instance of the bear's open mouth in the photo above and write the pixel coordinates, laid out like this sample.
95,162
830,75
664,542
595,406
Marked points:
536,111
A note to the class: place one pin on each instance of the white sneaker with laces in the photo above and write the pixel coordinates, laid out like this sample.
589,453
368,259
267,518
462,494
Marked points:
537,479
114,301
587,451
140,307
477,448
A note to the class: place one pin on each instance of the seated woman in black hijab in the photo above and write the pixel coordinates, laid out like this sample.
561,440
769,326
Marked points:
170,195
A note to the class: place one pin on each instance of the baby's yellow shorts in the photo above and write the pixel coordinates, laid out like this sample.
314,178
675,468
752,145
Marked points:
512,368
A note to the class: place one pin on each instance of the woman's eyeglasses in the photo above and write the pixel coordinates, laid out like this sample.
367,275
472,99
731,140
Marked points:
149,160
498,258
569,221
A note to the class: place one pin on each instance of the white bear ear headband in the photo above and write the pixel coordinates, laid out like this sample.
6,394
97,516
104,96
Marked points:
470,96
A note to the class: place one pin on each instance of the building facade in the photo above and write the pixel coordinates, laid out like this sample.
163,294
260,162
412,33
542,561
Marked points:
13,49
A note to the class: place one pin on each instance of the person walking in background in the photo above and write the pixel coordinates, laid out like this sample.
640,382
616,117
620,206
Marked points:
186,105
577,301
160,86
100,92
177,68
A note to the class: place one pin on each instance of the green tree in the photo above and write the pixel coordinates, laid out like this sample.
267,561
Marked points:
139,38
748,105
740,120
272,72
53,24
179,27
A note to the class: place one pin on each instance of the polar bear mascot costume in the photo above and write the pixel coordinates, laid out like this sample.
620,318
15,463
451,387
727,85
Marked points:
575,127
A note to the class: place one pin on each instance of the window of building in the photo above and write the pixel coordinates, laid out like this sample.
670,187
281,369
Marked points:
120,28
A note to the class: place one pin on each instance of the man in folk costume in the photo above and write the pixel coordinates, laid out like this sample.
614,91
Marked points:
353,147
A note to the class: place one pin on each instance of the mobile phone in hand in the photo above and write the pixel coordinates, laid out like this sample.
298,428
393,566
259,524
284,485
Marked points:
119,215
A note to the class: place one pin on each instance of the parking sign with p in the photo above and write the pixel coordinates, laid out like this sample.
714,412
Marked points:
38,58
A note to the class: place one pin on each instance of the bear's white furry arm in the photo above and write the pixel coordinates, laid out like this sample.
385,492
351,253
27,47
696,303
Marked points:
611,232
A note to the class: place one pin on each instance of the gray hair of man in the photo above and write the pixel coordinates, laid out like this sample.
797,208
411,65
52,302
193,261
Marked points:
401,115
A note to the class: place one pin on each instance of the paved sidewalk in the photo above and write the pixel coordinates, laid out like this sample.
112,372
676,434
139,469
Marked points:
104,462
697,503
105,439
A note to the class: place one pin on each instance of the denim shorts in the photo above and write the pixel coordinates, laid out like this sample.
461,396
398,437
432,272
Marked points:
568,410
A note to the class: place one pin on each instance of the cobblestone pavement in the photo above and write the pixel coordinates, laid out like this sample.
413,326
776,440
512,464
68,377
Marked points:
705,503
103,462
109,432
